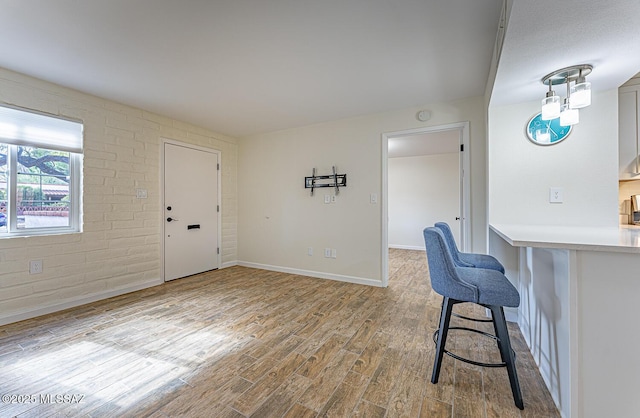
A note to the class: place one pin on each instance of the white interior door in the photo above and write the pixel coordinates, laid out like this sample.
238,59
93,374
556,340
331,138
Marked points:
190,211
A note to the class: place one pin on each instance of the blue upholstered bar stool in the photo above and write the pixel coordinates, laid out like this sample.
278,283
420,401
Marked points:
483,261
485,287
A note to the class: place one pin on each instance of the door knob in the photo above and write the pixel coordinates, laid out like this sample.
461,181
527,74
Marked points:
170,219
168,207
457,218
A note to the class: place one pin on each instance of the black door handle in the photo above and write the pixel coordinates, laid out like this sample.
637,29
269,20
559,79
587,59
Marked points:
457,218
170,219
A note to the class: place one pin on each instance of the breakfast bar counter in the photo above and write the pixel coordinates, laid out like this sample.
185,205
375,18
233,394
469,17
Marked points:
579,287
625,238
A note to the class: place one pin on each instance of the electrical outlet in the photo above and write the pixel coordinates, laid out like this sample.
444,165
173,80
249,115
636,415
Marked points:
327,252
334,198
556,195
35,266
141,193
310,251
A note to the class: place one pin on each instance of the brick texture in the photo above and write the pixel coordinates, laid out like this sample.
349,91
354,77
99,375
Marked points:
121,240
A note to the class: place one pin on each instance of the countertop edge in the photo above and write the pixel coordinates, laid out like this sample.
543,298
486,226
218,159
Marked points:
520,239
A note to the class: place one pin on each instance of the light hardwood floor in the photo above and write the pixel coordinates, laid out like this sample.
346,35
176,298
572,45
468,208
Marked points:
241,342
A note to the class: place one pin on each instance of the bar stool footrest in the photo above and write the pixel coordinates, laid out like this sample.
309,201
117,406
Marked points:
466,360
471,319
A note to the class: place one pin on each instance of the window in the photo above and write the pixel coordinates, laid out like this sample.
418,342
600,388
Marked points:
40,166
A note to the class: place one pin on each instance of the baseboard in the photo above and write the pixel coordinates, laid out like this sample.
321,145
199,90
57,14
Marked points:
228,264
316,274
75,301
511,314
407,247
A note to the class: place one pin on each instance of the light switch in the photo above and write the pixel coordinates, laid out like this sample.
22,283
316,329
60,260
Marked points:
373,198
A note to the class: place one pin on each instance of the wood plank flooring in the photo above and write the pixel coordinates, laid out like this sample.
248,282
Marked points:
241,342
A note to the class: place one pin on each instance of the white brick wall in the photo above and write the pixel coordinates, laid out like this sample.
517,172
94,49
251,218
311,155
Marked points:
119,248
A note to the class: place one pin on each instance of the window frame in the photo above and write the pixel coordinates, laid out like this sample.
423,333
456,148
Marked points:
75,187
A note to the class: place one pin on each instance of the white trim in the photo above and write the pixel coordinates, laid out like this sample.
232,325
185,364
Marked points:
407,247
228,264
75,189
576,404
384,220
465,193
219,197
511,315
76,301
465,189
316,274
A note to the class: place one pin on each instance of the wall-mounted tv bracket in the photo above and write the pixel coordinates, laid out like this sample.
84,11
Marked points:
330,180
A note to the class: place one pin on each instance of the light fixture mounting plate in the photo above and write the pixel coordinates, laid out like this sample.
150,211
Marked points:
567,74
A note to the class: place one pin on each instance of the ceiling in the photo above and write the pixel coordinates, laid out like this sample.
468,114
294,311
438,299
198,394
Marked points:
546,35
241,67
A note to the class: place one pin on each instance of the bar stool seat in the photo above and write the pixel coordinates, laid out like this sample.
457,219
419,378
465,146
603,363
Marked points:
488,288
484,261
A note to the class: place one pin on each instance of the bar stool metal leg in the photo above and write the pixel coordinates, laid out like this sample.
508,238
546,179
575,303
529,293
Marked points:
445,317
506,352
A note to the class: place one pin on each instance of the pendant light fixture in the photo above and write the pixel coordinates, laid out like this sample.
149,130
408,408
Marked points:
550,105
578,96
580,93
568,115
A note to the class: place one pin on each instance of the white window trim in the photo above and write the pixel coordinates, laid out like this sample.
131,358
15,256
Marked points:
75,215
75,175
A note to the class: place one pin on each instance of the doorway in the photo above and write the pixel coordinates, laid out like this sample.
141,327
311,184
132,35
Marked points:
191,209
404,155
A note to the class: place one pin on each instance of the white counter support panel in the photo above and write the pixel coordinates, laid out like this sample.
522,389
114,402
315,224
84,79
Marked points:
577,315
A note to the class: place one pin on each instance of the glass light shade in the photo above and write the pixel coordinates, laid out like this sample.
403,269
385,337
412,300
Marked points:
580,95
569,116
550,107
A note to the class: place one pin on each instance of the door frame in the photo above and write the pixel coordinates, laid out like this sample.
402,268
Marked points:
465,189
162,209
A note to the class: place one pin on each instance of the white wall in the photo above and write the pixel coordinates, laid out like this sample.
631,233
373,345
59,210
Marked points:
423,190
119,248
585,165
278,220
